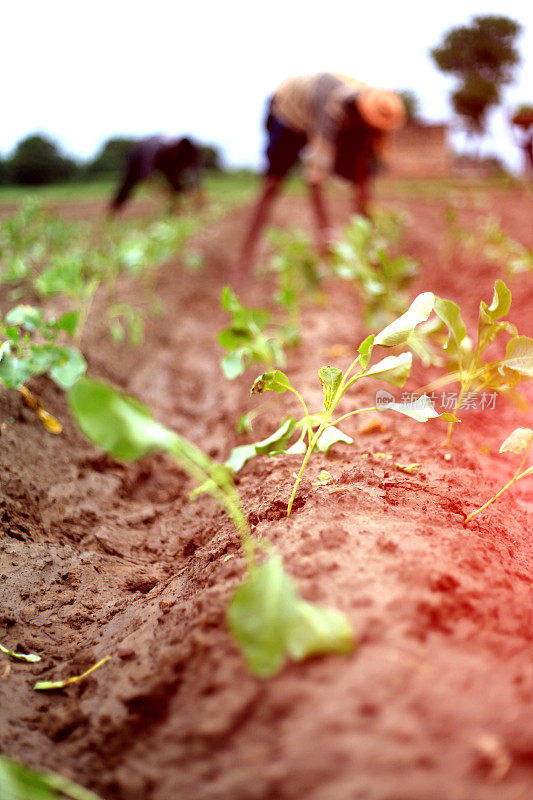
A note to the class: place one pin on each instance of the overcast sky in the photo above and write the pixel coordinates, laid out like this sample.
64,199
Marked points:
84,72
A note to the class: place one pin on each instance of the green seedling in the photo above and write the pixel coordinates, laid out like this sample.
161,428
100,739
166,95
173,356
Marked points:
19,782
470,369
248,340
519,441
296,266
362,256
501,249
320,428
266,616
125,321
30,658
45,686
30,348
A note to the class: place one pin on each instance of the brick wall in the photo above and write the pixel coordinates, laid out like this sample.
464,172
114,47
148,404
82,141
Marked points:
419,151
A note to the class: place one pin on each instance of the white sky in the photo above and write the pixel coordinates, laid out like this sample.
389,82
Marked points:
81,73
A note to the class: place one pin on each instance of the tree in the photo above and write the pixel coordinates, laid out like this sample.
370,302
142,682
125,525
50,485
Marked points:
210,157
411,104
482,56
4,172
37,160
111,158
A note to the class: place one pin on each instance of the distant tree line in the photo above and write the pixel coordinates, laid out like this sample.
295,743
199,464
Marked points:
37,160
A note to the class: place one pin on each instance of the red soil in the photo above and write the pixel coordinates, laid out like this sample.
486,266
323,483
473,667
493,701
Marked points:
99,557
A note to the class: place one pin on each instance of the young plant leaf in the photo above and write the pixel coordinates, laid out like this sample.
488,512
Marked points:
400,329
315,630
330,436
67,373
365,351
44,686
277,441
117,423
519,356
450,314
68,322
27,317
330,378
259,615
233,365
392,369
420,409
501,302
31,658
19,782
519,441
271,622
275,381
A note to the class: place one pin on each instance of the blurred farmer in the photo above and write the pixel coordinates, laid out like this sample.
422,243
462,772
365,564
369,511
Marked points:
178,160
340,124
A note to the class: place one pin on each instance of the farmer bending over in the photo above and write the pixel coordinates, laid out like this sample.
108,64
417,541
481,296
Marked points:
177,159
340,124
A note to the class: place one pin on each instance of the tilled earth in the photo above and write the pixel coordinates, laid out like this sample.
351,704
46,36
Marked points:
99,557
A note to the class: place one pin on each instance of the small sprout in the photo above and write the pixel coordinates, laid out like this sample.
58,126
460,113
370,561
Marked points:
466,360
31,658
320,428
519,441
45,686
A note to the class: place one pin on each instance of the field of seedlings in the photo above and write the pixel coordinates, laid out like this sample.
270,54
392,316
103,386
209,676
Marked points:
268,541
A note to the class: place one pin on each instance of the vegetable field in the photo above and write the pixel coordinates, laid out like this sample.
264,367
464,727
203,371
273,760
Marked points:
252,524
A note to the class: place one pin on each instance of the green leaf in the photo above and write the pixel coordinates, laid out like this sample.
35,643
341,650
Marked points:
68,322
275,381
229,301
43,357
259,615
501,301
420,409
365,351
238,457
19,782
450,314
519,441
393,369
330,436
14,371
117,423
277,441
233,365
31,658
315,630
274,444
27,317
330,378
233,337
488,327
399,330
519,356
271,622
67,373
